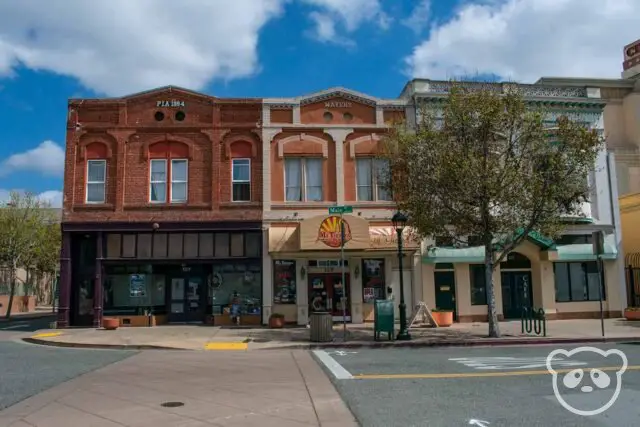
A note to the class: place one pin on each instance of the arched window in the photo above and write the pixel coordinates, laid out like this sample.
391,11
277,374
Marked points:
96,173
168,172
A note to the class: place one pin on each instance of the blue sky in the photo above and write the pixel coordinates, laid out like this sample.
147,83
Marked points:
51,51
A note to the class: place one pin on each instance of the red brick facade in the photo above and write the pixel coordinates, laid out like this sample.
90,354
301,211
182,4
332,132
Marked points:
126,134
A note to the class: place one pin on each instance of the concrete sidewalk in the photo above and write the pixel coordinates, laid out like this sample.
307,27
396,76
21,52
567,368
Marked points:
196,337
191,389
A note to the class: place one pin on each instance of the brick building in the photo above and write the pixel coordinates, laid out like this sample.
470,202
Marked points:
321,151
162,208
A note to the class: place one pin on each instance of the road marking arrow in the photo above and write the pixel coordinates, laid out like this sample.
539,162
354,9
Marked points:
479,423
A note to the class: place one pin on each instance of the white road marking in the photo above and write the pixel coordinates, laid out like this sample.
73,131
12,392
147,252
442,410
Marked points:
343,353
16,326
336,369
494,363
479,423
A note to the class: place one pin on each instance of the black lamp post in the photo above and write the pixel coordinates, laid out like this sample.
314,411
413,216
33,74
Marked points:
399,221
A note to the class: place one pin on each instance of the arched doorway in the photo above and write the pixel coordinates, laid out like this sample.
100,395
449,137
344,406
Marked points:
517,290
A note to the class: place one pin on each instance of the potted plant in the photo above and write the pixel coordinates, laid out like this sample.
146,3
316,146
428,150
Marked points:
444,318
632,313
276,321
110,323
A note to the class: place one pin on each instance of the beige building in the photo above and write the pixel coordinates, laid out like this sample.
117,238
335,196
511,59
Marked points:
560,276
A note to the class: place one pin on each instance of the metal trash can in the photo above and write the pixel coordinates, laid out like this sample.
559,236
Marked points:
321,327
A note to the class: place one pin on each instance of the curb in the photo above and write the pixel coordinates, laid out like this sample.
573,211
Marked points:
98,346
29,316
468,343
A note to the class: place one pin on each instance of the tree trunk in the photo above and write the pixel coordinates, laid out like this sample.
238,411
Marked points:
12,293
492,313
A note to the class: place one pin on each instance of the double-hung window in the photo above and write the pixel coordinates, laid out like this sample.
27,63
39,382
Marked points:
241,180
96,181
303,179
158,181
174,172
179,180
371,177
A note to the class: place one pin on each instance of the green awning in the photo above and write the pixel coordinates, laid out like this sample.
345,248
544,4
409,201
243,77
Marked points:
475,255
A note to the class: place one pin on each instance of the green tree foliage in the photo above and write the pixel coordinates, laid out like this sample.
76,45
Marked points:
29,238
488,165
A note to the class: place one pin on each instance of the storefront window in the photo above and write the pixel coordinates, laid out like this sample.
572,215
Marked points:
478,284
373,287
133,290
284,281
243,277
578,281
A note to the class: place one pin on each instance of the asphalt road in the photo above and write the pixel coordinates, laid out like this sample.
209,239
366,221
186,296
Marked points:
27,369
23,324
490,386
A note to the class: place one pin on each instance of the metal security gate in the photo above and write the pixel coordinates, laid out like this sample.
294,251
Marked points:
633,278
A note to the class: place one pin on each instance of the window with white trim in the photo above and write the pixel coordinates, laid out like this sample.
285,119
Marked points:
96,181
303,179
158,181
241,180
370,179
179,180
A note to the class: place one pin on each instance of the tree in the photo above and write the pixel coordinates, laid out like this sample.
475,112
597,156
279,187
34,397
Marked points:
488,165
25,234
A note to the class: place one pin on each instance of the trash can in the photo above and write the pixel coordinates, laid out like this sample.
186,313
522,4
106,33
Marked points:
321,327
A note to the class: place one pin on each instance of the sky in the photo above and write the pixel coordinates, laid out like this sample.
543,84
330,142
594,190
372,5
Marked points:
51,51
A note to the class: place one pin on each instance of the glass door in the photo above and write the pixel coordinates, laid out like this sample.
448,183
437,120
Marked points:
177,300
195,307
340,297
319,293
445,282
516,293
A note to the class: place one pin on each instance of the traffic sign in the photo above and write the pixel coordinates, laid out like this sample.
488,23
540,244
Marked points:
340,209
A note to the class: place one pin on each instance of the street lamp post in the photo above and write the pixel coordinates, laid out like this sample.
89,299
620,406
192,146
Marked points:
399,221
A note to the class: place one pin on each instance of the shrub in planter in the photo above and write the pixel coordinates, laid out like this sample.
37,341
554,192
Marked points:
632,313
276,320
444,318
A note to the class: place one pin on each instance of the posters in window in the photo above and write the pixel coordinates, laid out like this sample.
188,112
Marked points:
284,282
137,286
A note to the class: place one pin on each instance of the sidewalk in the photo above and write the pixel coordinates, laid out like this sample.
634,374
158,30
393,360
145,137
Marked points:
196,337
191,389
37,313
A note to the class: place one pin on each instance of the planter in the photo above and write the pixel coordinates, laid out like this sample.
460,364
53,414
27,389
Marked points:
443,318
632,314
110,323
276,322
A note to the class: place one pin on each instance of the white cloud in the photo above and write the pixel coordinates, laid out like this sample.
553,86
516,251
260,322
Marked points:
53,197
350,14
119,47
47,158
527,39
419,16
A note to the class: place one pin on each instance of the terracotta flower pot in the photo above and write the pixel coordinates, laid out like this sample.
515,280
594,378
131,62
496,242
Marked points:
276,322
443,318
110,323
632,314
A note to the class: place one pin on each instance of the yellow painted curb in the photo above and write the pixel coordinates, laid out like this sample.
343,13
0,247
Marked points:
480,374
47,335
226,346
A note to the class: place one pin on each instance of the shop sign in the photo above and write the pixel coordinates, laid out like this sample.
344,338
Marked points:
330,233
337,104
387,237
174,103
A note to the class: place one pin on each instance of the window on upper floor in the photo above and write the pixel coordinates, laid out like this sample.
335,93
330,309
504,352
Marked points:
370,179
303,179
241,180
168,180
96,181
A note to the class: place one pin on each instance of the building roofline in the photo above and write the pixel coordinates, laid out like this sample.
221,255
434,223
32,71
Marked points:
586,82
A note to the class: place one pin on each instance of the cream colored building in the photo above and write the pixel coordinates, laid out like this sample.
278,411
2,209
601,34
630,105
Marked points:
560,277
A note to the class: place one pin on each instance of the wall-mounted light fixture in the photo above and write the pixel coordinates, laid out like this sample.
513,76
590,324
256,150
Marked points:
303,273
356,272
